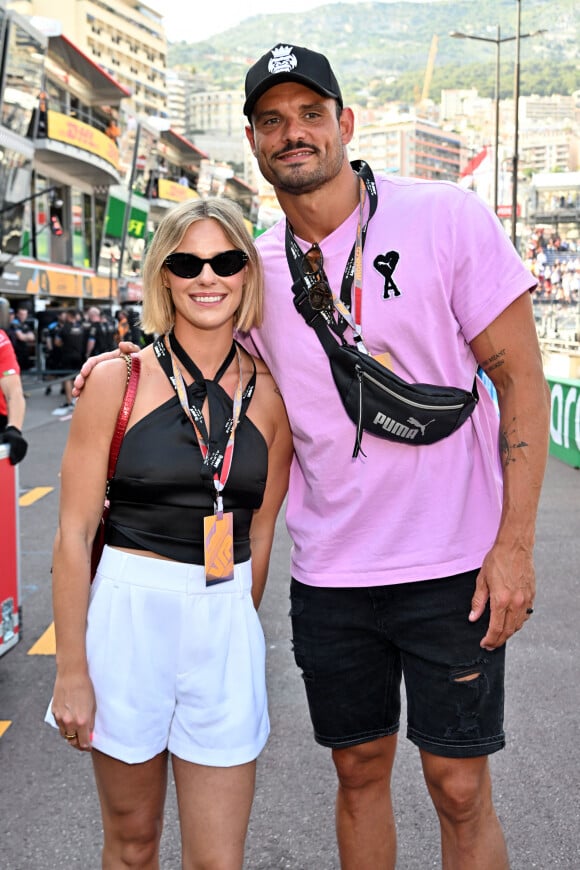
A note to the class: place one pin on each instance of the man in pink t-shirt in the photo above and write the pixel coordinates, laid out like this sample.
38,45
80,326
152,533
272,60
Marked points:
407,560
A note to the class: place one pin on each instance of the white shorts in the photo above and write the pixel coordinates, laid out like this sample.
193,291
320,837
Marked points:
175,664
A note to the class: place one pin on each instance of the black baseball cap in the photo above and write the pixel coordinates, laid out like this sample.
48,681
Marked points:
290,63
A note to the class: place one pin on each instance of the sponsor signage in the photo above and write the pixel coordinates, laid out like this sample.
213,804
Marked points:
174,192
505,211
565,420
137,223
62,128
35,280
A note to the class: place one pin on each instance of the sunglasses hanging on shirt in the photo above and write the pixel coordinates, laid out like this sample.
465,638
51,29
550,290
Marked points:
319,292
189,265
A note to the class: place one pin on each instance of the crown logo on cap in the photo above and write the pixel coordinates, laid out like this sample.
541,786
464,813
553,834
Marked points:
282,60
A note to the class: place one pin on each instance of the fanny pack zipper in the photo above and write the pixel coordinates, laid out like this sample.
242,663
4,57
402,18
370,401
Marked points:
362,374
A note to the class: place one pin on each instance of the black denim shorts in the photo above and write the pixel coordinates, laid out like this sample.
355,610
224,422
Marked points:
353,645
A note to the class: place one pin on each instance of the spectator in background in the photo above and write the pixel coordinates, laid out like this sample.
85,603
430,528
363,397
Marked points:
12,401
123,329
113,131
108,327
136,334
52,353
556,280
21,334
96,337
70,338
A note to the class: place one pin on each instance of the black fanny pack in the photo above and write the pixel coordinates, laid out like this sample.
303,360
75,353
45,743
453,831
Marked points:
380,402
375,399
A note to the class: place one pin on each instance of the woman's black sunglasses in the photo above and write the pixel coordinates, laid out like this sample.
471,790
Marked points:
189,266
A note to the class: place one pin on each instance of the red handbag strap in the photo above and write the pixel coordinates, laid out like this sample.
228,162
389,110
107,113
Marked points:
133,369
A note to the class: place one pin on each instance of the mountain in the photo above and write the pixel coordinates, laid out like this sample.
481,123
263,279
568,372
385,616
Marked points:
380,51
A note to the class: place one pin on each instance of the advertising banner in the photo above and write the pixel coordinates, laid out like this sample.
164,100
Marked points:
172,191
137,223
54,281
65,129
565,420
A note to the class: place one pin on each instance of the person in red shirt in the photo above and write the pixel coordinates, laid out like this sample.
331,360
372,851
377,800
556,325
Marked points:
12,401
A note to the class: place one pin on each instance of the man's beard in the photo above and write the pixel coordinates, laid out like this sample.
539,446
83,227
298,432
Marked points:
298,180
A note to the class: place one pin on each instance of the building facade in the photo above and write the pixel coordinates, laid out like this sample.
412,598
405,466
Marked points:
56,166
409,146
126,39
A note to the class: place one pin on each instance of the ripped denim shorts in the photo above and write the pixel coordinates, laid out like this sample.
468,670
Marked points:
354,645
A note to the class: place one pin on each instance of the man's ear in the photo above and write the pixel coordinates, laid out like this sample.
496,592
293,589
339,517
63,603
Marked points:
250,138
346,123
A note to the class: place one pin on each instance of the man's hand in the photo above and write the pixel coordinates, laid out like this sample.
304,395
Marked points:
18,445
507,578
88,366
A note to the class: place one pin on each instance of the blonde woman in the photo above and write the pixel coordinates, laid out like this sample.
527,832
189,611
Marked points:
163,656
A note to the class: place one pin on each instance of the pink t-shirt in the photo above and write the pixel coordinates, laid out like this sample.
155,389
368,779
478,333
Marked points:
401,513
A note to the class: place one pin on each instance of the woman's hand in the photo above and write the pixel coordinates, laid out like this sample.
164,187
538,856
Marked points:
73,708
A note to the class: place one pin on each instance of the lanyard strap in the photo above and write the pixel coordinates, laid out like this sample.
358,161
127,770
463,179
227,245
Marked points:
217,452
352,275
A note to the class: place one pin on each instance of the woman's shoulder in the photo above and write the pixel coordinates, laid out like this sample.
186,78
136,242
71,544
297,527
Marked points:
263,375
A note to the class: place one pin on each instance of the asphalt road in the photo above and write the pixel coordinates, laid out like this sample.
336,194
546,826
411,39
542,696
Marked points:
49,814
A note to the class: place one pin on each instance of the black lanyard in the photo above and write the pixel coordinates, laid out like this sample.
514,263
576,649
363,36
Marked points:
197,393
295,255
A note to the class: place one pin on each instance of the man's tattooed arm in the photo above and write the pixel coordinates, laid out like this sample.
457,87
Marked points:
508,444
494,362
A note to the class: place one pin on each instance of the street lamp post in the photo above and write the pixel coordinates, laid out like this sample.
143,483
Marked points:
497,41
515,158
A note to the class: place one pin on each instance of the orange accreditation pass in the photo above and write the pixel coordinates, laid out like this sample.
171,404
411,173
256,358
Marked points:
384,359
218,548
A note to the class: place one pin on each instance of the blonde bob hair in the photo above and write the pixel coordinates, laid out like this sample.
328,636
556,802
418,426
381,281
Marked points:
158,315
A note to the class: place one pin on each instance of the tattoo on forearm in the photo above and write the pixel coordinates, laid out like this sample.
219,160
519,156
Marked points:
508,445
494,362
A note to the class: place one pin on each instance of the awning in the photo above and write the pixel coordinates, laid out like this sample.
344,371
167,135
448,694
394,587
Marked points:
182,144
105,88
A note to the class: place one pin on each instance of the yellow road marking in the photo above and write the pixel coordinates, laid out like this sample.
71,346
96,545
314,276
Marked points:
4,726
45,645
33,495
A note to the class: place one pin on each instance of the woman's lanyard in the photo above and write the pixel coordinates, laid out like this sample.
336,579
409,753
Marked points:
217,455
218,530
352,277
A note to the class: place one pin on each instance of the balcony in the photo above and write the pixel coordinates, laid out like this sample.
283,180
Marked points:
79,149
555,216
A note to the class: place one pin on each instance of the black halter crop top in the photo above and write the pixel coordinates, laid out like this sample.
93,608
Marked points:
158,497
